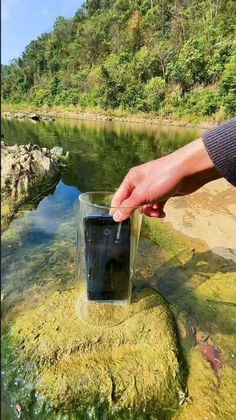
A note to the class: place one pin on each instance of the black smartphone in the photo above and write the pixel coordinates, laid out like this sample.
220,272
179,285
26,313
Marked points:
107,257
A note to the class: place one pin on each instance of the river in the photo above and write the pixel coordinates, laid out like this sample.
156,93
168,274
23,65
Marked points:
38,248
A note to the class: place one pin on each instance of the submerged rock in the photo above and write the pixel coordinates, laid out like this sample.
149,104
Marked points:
131,368
26,169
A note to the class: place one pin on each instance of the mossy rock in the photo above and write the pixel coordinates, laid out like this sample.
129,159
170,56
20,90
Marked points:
134,367
212,397
8,209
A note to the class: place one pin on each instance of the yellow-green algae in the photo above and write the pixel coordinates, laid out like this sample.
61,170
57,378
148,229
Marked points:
211,398
202,288
133,366
8,209
200,285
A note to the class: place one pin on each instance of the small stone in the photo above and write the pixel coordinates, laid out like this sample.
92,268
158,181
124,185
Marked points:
19,409
201,336
209,341
57,151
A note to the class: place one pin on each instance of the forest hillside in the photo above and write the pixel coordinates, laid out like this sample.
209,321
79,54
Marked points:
170,57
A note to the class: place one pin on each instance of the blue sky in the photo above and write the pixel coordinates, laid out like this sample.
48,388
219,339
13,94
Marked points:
23,20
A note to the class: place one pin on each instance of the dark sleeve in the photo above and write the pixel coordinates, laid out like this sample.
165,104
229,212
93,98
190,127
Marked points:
221,147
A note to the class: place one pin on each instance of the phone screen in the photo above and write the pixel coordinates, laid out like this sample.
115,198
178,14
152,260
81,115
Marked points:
107,256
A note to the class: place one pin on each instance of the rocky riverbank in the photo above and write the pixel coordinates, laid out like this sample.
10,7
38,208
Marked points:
50,115
26,171
34,116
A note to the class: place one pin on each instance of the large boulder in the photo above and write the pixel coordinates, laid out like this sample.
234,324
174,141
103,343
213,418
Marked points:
130,369
25,171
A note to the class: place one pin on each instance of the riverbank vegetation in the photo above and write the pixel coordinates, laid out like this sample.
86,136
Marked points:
166,57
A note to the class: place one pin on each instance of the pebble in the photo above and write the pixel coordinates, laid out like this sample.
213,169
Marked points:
19,409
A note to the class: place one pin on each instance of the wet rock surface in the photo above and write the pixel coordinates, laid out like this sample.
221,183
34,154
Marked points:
75,366
209,214
202,288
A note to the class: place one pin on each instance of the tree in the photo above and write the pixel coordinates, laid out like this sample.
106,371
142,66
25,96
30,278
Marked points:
164,56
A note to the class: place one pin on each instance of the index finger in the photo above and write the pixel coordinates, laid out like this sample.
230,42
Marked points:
122,193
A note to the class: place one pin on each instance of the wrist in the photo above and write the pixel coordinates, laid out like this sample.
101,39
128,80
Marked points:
196,162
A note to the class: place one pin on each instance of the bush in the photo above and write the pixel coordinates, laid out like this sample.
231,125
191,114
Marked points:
67,97
228,87
154,93
40,96
201,101
173,101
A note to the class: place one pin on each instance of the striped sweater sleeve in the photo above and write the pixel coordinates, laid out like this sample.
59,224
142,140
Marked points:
221,147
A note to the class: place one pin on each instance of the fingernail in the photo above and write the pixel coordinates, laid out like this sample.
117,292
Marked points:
117,216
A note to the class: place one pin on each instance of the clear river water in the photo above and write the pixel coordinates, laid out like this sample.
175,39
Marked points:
38,249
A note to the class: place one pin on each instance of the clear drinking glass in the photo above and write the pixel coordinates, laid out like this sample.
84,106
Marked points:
106,253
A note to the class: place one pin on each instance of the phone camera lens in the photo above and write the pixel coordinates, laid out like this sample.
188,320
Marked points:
107,232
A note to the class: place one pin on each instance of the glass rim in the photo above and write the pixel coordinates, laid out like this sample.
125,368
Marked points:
83,200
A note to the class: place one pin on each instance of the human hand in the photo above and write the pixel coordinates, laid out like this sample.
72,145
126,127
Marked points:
150,185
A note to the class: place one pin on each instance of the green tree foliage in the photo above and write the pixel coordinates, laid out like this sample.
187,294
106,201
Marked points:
163,56
228,86
154,93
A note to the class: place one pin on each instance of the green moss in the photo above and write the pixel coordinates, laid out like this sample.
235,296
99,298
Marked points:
131,368
202,289
162,234
214,288
211,398
11,209
8,210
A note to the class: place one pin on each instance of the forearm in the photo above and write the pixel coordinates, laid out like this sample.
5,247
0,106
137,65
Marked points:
182,172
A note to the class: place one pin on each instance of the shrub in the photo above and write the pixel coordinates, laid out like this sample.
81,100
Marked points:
201,101
40,96
154,93
228,87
